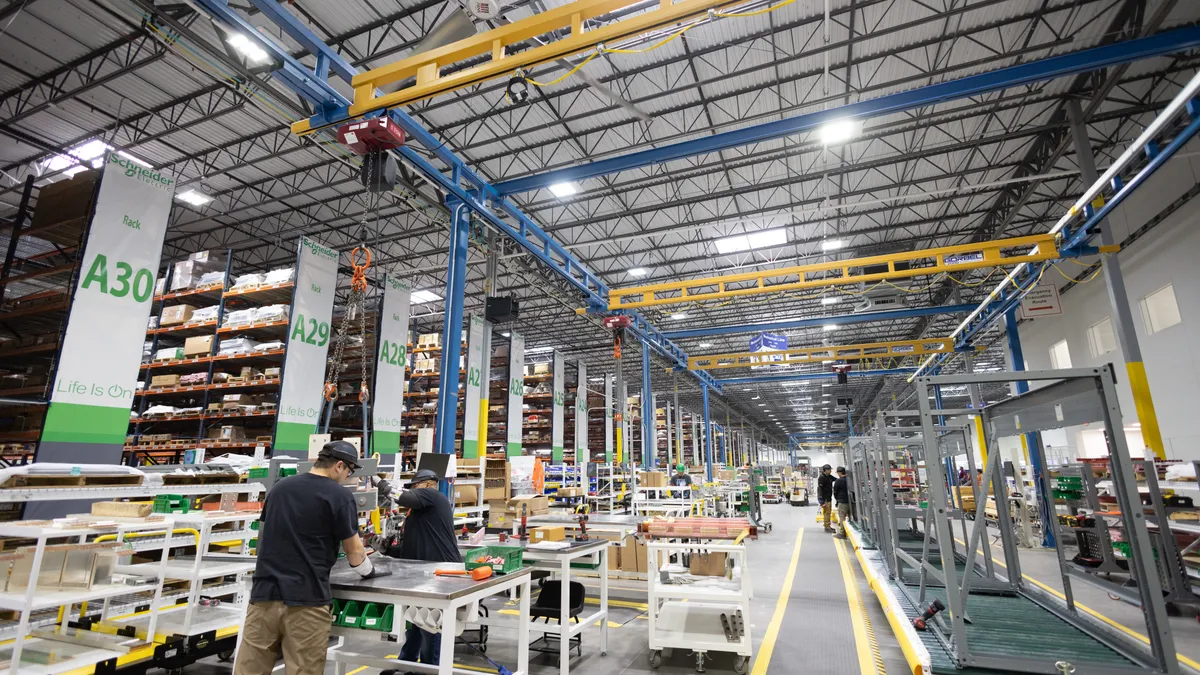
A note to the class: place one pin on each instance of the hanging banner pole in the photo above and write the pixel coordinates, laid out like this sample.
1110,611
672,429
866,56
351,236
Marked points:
581,419
473,415
516,393
97,367
557,413
303,375
608,419
389,367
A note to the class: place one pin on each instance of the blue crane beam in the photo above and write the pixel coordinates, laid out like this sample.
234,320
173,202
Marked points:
792,377
839,320
477,194
1083,61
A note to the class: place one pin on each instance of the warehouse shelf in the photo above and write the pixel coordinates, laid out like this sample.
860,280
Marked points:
265,328
49,494
266,294
185,329
209,292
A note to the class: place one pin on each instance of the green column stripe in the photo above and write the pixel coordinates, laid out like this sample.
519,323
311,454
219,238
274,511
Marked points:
292,436
514,449
78,423
384,442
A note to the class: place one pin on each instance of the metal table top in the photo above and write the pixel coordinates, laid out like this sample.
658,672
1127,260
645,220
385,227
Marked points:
572,547
413,579
593,520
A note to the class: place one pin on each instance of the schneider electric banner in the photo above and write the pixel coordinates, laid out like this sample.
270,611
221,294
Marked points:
516,392
581,417
474,393
557,418
106,328
609,383
388,397
307,346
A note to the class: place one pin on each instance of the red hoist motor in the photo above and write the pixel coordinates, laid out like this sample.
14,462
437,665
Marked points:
373,139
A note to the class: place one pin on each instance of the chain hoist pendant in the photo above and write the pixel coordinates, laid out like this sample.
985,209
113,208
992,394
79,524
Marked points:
379,171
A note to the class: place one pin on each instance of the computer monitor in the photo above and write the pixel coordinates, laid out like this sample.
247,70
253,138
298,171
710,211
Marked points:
436,462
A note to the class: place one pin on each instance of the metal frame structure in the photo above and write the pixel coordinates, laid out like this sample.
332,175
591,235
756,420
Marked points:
1067,397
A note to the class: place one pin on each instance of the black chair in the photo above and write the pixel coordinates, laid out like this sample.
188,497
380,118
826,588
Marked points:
549,606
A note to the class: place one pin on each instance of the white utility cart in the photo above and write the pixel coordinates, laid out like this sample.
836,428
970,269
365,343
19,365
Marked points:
699,613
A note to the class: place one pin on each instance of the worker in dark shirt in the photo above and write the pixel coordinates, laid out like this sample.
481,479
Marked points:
681,477
303,521
427,535
841,495
825,494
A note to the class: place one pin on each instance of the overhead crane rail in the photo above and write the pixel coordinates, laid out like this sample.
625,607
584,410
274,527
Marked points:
906,265
799,355
426,67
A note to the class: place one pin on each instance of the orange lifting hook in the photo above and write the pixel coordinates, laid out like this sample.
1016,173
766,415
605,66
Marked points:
359,280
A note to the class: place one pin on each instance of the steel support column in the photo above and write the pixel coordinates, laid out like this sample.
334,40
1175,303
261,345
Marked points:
649,446
456,278
1118,298
708,436
1040,483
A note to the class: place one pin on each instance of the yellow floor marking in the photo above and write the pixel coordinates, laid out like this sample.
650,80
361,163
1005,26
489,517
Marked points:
763,658
640,606
866,664
1112,622
357,670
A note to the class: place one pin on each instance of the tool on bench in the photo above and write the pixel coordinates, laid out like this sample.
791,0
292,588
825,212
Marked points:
523,530
934,607
582,519
477,574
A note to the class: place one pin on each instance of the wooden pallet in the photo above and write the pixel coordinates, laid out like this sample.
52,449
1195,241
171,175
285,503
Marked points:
199,479
57,481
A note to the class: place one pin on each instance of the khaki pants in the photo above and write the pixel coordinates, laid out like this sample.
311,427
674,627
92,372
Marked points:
826,509
843,516
303,632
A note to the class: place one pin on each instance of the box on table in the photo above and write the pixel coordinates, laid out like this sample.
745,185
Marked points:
653,479
466,495
163,381
176,314
536,504
570,492
122,509
708,564
548,533
727,474
198,345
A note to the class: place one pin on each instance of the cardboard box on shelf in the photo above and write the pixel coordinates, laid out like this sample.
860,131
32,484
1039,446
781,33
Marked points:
168,354
176,314
726,474
548,533
541,369
570,492
122,509
164,381
537,504
708,564
466,495
240,399
198,345
228,433
652,479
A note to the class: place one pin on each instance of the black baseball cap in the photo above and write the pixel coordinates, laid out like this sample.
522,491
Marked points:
341,450
841,469
826,467
422,476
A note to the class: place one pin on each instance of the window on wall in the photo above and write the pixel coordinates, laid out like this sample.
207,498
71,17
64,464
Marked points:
1101,338
1159,310
1060,355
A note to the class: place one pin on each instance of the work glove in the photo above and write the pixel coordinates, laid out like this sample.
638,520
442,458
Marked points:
366,569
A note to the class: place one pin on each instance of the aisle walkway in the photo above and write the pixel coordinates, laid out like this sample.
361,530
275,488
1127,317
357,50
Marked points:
812,613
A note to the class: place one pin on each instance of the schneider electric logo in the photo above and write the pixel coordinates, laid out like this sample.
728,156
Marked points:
327,253
398,284
144,174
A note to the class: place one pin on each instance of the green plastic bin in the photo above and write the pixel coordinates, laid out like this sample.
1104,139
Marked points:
350,614
512,558
171,504
377,617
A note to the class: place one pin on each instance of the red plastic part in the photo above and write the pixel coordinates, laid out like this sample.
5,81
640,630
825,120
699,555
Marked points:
365,136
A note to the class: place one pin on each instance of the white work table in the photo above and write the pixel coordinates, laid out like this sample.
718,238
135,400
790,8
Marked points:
559,561
413,584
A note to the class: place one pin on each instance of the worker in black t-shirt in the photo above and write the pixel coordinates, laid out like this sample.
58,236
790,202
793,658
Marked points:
427,535
841,495
304,520
825,494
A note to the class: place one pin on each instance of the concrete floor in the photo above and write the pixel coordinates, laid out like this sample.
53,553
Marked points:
815,633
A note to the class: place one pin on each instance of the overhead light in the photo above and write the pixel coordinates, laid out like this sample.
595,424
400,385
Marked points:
194,198
248,48
638,272
705,345
91,150
507,334
838,131
828,300
680,316
829,326
746,242
832,244
761,404
539,350
827,362
561,190
595,379
420,297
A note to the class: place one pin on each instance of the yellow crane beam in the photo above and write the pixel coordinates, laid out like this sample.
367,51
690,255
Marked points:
426,67
798,355
926,262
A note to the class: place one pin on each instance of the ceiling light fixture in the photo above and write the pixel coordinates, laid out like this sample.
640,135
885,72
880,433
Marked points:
838,131
705,345
194,198
420,297
638,272
561,190
248,48
832,244
829,326
830,301
679,316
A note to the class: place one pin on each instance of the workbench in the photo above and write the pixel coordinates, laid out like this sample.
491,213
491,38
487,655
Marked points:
413,584
559,561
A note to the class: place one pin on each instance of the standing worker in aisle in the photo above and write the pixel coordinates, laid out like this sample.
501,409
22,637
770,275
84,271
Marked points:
841,495
304,519
825,494
427,535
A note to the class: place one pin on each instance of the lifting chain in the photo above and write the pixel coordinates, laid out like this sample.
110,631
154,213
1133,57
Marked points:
356,309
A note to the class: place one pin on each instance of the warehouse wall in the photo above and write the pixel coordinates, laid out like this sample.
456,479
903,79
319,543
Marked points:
1168,254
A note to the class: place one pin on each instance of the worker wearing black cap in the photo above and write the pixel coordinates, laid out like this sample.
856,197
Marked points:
825,494
427,535
304,519
841,495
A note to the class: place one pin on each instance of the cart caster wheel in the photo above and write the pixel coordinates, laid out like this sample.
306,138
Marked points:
739,666
225,656
699,662
603,653
655,660
767,528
